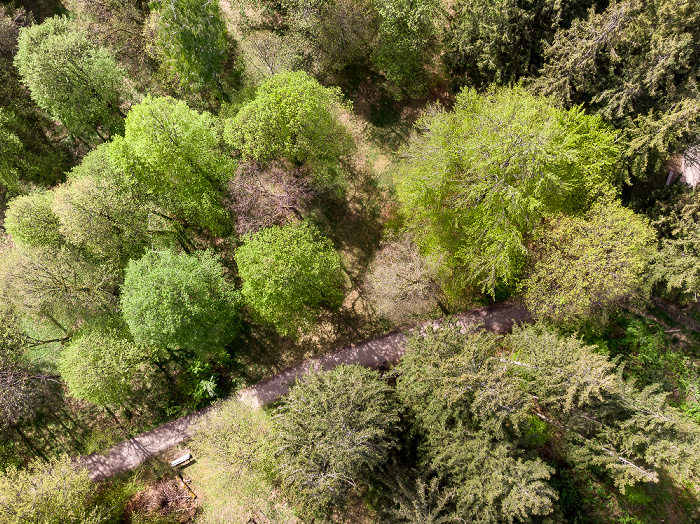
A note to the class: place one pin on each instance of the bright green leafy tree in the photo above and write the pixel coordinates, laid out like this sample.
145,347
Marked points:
333,430
292,117
173,152
634,64
101,363
475,181
31,222
79,84
585,267
180,301
289,273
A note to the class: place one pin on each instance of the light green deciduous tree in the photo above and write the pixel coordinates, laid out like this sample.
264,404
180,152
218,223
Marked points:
173,152
102,362
76,82
292,117
290,273
585,267
180,301
475,181
31,222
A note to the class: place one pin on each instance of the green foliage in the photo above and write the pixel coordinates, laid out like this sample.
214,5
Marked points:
52,493
585,267
416,501
333,429
101,362
26,154
476,180
101,212
475,395
676,264
288,274
234,450
180,301
501,41
58,286
173,152
192,35
634,64
31,222
334,34
76,82
292,117
407,35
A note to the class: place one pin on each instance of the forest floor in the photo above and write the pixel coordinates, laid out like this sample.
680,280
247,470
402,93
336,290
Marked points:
390,347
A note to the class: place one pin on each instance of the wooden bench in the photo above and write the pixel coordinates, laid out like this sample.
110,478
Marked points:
181,460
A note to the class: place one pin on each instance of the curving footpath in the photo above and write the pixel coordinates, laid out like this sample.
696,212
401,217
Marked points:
126,455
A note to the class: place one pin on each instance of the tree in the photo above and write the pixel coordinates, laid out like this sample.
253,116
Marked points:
117,25
58,285
53,493
675,266
333,429
266,194
288,274
403,284
31,222
338,33
499,42
292,117
584,267
633,64
407,35
31,152
23,388
173,152
236,441
192,35
180,301
76,82
101,362
486,404
475,181
99,211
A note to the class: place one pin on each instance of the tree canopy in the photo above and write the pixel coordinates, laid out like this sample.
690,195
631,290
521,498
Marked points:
585,267
475,181
31,222
634,64
101,362
487,403
332,430
180,301
52,493
76,82
101,212
291,117
289,273
173,152
192,35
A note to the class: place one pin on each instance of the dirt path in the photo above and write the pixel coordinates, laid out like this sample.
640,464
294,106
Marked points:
370,353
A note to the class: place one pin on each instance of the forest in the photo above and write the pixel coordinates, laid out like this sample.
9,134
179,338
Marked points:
196,195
